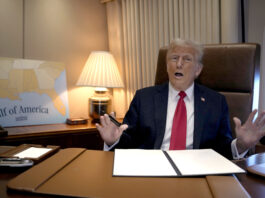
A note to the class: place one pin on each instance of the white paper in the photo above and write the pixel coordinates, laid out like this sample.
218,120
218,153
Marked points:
137,162
202,162
32,152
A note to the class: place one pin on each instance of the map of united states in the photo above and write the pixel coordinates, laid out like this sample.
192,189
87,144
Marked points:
20,76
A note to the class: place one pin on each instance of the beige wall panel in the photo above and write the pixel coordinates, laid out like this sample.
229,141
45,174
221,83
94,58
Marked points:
255,22
114,19
230,21
11,28
66,31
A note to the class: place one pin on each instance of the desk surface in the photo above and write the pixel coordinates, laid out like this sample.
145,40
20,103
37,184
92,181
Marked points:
254,185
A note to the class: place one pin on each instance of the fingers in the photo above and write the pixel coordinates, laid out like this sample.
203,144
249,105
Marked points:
107,119
260,121
124,127
259,117
113,114
237,122
251,116
99,128
103,121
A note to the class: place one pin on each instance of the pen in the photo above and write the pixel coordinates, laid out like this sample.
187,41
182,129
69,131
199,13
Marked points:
112,119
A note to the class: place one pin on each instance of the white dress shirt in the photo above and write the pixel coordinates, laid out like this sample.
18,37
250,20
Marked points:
173,98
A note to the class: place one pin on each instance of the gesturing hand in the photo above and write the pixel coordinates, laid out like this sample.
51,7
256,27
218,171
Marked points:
109,132
250,132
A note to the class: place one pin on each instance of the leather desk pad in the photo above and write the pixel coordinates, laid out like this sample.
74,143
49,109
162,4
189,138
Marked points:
87,173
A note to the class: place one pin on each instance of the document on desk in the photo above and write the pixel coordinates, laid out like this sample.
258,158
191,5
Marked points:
33,152
177,163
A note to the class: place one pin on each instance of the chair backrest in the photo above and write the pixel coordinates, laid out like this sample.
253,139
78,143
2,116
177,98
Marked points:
230,69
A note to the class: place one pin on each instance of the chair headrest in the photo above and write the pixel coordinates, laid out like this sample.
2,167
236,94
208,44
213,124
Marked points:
227,67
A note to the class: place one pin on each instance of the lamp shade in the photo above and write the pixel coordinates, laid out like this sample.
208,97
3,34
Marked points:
100,70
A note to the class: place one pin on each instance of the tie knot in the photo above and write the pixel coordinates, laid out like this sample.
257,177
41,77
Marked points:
182,94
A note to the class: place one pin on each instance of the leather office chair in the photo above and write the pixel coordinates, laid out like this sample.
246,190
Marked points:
230,69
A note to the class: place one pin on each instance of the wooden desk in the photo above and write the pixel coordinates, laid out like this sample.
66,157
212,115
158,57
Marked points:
63,135
88,173
254,184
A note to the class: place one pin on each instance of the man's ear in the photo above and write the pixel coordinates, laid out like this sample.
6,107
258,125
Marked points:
199,67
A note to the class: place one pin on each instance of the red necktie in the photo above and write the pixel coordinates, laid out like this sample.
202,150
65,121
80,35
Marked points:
179,126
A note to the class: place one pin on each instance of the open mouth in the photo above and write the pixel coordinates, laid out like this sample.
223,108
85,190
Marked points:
177,74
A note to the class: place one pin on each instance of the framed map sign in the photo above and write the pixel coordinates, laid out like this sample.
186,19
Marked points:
32,92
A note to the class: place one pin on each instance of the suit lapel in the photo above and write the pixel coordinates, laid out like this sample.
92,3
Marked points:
160,113
200,106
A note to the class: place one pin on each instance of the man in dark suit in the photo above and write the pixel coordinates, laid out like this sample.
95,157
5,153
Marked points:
152,112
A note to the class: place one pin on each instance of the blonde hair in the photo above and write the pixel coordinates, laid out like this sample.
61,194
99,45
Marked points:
198,48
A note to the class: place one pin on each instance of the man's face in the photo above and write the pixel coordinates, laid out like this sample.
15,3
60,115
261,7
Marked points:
182,67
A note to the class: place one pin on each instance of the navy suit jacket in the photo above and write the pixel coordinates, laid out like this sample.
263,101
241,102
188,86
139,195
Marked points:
147,115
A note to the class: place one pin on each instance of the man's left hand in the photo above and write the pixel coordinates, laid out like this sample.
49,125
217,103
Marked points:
249,134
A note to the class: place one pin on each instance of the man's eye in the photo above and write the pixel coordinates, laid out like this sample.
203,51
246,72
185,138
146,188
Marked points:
187,59
174,58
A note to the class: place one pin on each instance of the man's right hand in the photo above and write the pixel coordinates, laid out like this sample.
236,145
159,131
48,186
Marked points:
109,132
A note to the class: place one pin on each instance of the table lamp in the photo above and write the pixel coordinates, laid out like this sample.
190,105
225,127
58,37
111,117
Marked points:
101,72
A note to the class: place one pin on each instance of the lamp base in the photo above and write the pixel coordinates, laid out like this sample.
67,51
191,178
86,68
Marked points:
98,107
95,120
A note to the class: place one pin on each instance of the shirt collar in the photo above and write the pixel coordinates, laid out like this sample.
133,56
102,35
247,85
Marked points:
189,92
